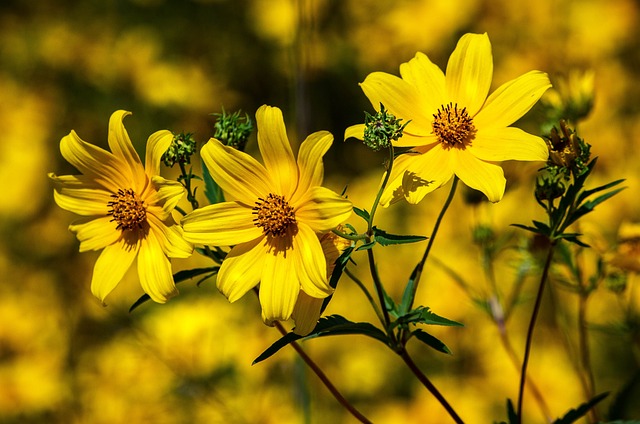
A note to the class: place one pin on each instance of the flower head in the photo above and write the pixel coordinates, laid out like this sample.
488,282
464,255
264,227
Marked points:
454,128
271,220
126,209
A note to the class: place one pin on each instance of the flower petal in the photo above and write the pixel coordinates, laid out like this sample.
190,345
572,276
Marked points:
95,233
306,313
237,173
80,195
469,72
157,144
279,287
276,150
479,175
310,161
310,263
512,100
428,79
112,264
121,146
509,143
221,224
242,269
400,98
355,131
96,163
154,270
162,196
171,238
322,209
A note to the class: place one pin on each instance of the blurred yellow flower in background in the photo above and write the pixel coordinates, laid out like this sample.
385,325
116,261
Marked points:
454,128
273,218
126,209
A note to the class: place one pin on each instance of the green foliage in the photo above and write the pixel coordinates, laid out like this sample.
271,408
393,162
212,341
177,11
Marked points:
575,414
212,190
233,130
385,239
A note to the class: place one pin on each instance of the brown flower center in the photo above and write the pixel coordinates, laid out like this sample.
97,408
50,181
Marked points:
274,215
453,126
127,210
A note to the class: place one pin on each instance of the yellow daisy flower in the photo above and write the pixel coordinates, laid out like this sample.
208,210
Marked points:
455,128
126,208
272,217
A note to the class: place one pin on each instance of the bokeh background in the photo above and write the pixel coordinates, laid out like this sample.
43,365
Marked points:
65,358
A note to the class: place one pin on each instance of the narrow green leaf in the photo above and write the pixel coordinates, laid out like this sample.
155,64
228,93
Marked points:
367,246
431,341
574,414
512,415
408,294
423,315
276,346
589,192
386,239
588,206
338,269
362,213
525,227
212,190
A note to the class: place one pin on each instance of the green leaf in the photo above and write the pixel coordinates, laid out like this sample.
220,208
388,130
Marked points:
511,412
367,246
431,341
386,239
408,294
588,206
423,315
362,213
588,193
574,414
212,190
525,227
179,277
331,325
338,269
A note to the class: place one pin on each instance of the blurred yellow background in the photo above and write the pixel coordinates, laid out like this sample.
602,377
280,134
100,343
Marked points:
64,358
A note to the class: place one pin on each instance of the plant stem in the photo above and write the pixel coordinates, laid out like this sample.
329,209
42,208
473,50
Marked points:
187,185
429,385
436,226
325,380
532,324
366,293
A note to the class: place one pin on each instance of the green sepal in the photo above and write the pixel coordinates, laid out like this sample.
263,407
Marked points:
575,414
385,239
431,341
179,277
332,325
362,213
212,190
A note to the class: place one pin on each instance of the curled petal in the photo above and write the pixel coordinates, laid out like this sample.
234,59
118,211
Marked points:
509,143
154,270
322,209
157,144
78,194
163,196
469,72
483,176
95,233
221,224
112,264
310,263
242,268
121,146
355,131
171,238
310,161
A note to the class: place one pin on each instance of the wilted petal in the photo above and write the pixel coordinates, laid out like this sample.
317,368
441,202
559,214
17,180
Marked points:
242,269
310,263
509,143
113,263
323,209
154,270
221,224
483,176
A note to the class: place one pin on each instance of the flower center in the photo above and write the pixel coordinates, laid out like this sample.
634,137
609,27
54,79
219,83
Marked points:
453,126
127,210
274,215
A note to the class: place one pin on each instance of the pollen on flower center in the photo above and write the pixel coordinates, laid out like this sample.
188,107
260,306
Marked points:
453,126
274,215
127,210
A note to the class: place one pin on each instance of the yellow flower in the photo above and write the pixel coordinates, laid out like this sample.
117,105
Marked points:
307,312
126,209
455,128
272,217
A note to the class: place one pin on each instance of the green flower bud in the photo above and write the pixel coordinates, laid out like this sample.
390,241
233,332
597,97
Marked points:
181,149
381,129
233,130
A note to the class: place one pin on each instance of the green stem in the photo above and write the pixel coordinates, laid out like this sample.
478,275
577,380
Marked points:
436,226
532,324
385,181
366,293
187,185
353,237
429,385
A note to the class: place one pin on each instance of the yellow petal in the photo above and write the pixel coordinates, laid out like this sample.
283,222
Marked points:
154,270
310,161
95,233
237,173
306,313
428,79
80,195
112,264
400,98
469,72
322,209
411,140
96,163
279,287
242,269
162,196
222,224
157,144
171,239
509,143
356,131
483,176
121,146
310,263
512,100
276,150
